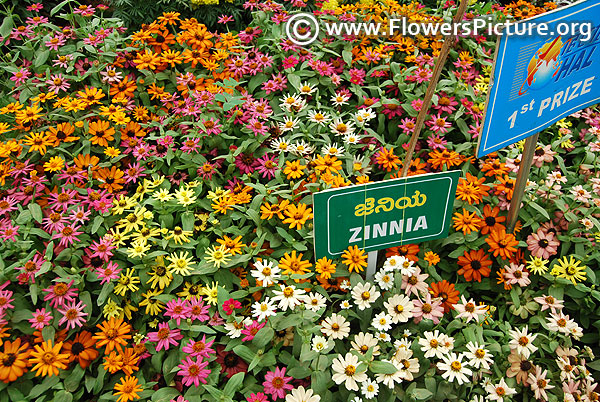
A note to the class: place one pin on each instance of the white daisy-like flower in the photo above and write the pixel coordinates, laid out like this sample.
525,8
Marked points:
314,301
364,294
289,124
234,328
340,99
390,379
307,89
345,285
345,370
432,344
266,272
318,117
363,116
454,369
400,308
392,263
319,343
363,342
478,356
384,279
264,309
497,392
370,389
280,145
333,150
407,267
338,127
409,366
383,336
469,310
335,327
382,321
301,148
522,341
288,297
351,139
302,395
287,102
345,305
361,166
558,322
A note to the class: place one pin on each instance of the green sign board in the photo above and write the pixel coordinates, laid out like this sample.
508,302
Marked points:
385,214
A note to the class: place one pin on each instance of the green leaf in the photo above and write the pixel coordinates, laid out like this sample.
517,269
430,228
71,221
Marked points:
36,212
7,25
97,222
234,384
299,372
264,336
48,383
165,394
244,352
58,7
422,394
73,380
63,396
214,392
541,210
107,289
41,58
378,367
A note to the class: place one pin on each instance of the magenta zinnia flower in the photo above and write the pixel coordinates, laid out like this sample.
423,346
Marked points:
73,314
200,348
267,166
60,293
193,372
252,330
276,383
165,337
40,319
176,310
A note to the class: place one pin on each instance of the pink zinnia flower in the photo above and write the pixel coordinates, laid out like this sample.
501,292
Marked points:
431,309
199,348
57,83
8,231
60,293
549,302
165,337
542,245
276,383
196,310
251,330
32,266
55,42
176,310
212,126
6,298
224,19
193,372
289,62
439,124
41,318
516,274
35,7
67,235
230,305
20,76
257,397
436,142
110,273
267,166
73,314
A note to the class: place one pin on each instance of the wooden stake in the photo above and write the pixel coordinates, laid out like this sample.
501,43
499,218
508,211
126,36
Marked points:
371,264
437,71
521,183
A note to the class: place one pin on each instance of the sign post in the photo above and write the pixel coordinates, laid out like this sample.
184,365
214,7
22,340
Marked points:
437,71
521,183
379,215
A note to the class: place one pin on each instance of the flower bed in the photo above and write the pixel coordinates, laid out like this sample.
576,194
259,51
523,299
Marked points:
157,219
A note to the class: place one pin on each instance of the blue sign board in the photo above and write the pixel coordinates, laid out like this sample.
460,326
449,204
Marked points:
540,78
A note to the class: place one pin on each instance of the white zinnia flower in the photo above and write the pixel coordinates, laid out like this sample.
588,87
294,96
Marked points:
454,369
408,365
288,297
335,327
265,272
522,342
345,370
318,117
314,301
469,309
390,379
479,357
302,395
319,343
382,321
499,391
234,328
264,309
400,307
433,344
385,280
280,145
364,294
332,150
365,341
370,389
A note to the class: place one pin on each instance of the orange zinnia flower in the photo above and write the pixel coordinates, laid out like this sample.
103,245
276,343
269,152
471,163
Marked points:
467,222
506,186
101,132
355,259
471,190
446,292
474,264
438,159
491,220
493,167
81,349
61,133
48,359
13,360
501,243
111,179
387,159
113,333
409,251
